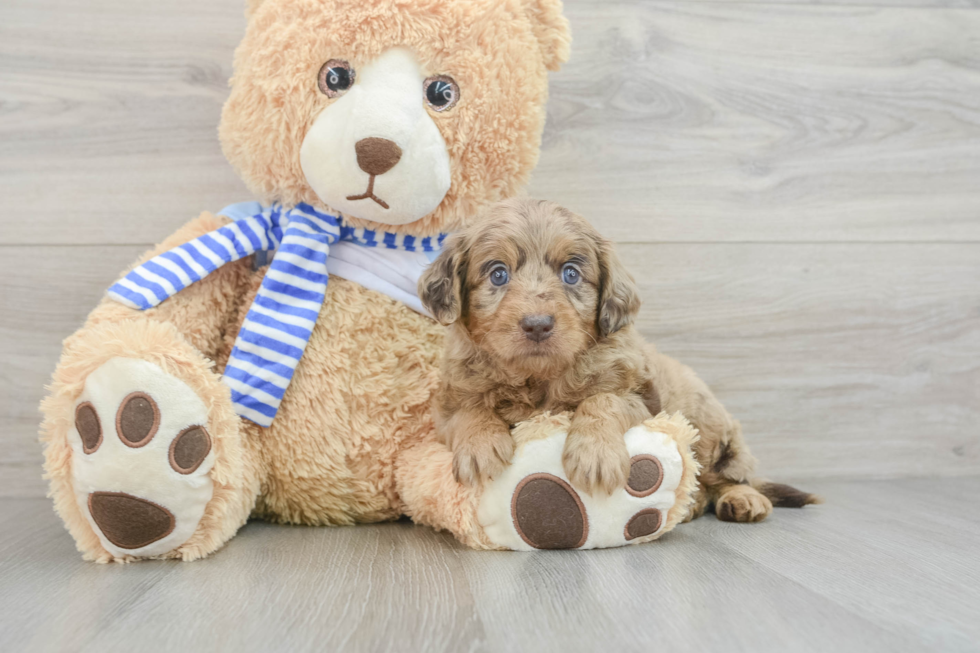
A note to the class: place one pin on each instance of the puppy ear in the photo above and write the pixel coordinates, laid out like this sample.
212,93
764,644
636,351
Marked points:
619,300
441,285
551,29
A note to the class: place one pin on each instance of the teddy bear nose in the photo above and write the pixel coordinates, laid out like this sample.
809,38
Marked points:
377,156
538,327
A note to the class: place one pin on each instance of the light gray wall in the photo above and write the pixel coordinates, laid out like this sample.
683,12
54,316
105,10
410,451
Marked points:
795,185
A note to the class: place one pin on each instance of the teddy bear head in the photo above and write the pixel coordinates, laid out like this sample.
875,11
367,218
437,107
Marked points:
404,115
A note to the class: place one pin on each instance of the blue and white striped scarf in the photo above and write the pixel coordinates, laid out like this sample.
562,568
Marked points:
282,316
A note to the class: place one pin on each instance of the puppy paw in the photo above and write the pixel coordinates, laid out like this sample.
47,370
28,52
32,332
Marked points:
742,503
596,465
477,459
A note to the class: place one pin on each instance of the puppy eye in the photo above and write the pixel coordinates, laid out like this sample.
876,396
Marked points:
499,276
335,78
570,274
441,92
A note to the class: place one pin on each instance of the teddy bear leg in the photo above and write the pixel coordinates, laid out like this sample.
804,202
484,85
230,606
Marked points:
145,456
532,504
431,496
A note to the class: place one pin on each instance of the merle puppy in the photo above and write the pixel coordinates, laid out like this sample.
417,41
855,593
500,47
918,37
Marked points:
540,313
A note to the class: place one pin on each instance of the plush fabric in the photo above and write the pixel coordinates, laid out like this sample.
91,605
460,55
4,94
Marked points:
498,51
353,170
667,438
353,440
278,325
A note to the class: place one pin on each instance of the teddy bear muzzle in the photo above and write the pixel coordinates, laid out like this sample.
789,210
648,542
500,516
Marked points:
375,156
375,153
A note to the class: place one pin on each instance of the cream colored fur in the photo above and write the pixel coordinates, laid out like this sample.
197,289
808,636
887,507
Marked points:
353,440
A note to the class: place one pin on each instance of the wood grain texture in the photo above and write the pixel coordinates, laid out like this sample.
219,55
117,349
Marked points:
109,117
865,571
751,146
683,121
46,293
795,186
754,122
840,360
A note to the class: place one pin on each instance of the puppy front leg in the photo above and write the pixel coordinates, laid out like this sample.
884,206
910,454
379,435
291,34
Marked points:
595,455
481,444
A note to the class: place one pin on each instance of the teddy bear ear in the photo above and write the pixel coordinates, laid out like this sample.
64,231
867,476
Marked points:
251,6
551,29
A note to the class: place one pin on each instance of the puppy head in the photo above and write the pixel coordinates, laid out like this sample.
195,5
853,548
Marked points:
531,284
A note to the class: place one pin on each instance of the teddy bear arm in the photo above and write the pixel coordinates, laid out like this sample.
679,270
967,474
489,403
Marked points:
431,496
186,484
203,311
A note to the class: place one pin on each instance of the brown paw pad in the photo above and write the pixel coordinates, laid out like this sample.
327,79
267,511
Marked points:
646,475
646,522
548,513
89,427
189,449
725,511
137,420
129,522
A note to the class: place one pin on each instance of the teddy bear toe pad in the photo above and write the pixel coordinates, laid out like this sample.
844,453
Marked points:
129,522
141,458
532,505
548,514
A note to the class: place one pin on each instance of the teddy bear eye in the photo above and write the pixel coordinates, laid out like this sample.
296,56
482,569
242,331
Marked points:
336,76
441,92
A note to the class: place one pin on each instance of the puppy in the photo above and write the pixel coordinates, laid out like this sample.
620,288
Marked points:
541,312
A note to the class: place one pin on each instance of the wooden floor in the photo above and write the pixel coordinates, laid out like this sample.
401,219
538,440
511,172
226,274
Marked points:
882,566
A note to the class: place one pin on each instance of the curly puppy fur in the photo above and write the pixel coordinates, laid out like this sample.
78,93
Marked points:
541,313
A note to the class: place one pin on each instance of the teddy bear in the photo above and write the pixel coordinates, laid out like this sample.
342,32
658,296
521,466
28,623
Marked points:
272,360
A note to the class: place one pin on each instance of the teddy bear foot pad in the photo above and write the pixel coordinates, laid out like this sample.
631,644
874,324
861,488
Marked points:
141,458
532,505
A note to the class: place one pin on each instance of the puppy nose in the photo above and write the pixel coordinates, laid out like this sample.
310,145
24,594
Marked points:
538,327
377,156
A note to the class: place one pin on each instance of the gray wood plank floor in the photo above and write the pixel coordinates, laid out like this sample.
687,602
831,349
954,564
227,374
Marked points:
886,565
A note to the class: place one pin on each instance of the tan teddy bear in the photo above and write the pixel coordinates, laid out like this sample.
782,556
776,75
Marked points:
208,388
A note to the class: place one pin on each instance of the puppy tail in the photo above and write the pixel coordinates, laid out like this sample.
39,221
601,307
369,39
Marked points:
785,496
